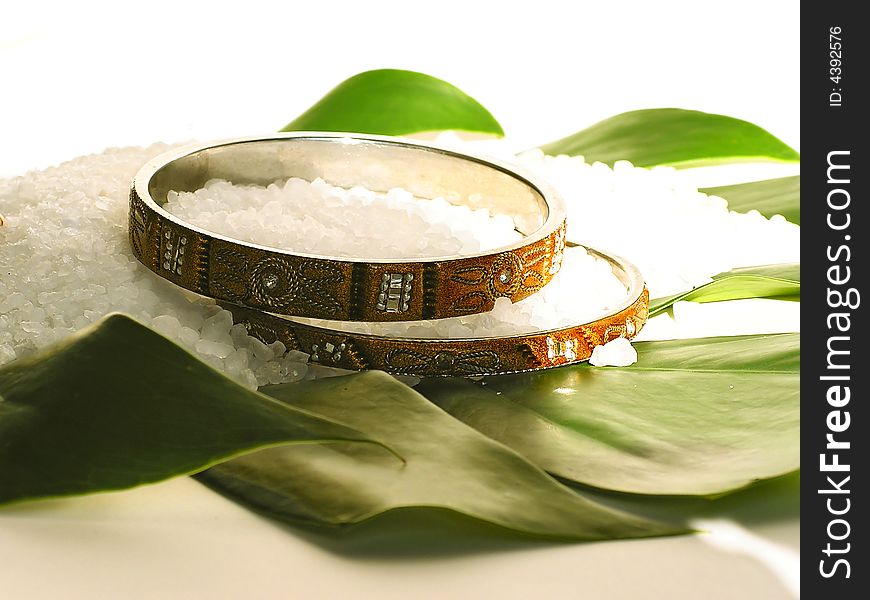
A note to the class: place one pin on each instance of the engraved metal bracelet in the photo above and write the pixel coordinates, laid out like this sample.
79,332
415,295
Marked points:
471,356
296,282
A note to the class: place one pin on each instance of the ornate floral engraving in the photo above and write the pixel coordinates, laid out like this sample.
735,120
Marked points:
509,274
641,308
229,278
411,362
138,226
275,282
460,357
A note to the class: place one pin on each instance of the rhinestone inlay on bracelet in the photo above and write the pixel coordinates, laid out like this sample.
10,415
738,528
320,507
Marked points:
395,292
301,283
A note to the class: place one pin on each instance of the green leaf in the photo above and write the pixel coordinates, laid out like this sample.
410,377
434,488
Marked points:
767,501
450,467
692,417
673,136
781,281
394,102
769,197
117,405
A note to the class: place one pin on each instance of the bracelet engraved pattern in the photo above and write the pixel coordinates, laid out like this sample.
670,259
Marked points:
306,285
265,287
475,356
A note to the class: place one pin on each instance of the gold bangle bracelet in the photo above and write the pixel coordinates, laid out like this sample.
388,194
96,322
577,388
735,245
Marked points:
306,285
477,356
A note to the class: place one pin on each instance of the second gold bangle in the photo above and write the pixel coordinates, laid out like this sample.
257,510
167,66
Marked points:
470,356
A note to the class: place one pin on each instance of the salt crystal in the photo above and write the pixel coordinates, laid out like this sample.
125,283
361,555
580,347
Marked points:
211,348
217,327
31,326
260,350
278,348
248,379
615,353
293,370
237,361
269,373
212,361
239,335
12,301
296,356
188,336
166,325
7,354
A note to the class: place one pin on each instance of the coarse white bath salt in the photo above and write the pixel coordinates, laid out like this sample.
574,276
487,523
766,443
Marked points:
319,218
615,353
677,236
66,261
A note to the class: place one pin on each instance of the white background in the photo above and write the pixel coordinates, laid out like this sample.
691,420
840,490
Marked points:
78,77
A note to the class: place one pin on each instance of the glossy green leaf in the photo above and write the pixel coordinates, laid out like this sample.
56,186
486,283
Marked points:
117,405
673,136
769,197
394,102
692,417
450,467
768,501
781,281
